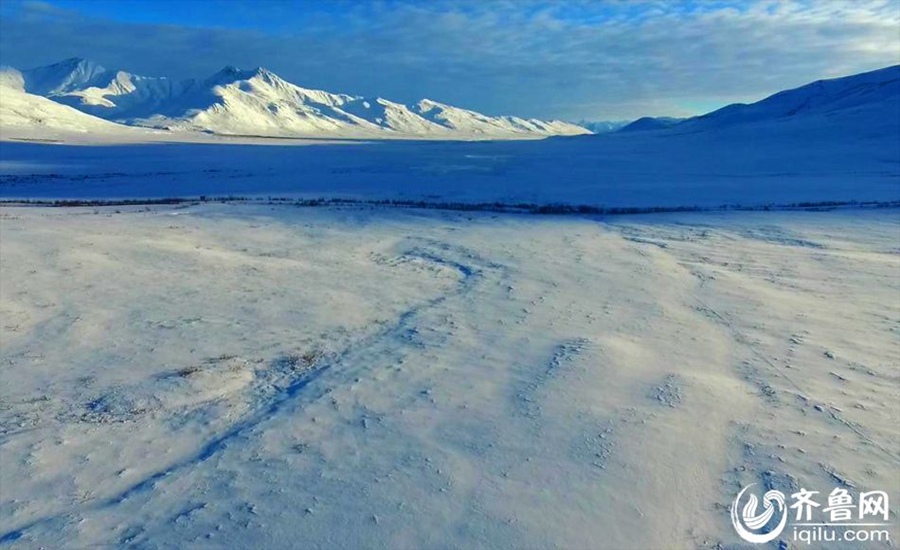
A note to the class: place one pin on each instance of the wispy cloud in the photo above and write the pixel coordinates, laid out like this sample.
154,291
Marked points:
590,59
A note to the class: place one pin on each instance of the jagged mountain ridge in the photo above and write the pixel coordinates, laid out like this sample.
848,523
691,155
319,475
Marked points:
259,102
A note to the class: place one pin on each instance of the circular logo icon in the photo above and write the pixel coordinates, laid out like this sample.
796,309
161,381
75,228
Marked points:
751,525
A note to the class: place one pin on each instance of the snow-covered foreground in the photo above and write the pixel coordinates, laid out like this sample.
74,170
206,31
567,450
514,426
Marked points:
280,377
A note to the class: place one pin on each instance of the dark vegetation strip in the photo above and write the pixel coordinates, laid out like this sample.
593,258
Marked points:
498,207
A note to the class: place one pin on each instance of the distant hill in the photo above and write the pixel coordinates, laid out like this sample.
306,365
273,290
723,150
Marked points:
820,98
817,98
650,123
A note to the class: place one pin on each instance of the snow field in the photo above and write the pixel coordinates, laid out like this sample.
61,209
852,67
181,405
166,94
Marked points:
274,376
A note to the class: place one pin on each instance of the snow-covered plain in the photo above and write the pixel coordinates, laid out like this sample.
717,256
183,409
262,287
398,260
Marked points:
273,376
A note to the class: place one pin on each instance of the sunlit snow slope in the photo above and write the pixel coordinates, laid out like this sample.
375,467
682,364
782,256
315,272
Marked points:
24,114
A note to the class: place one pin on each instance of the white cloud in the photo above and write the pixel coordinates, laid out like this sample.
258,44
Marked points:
551,59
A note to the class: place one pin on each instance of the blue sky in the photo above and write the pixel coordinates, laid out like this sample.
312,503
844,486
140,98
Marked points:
592,59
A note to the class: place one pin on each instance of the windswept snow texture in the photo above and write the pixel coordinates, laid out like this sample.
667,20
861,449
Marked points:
275,377
258,102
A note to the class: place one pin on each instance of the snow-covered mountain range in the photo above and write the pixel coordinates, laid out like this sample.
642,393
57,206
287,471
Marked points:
79,96
259,102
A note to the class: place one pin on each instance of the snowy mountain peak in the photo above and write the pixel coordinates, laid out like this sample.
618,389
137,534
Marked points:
258,76
67,75
428,104
75,64
230,72
236,73
269,77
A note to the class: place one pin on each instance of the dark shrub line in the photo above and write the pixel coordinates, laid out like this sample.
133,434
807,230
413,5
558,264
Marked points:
498,207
